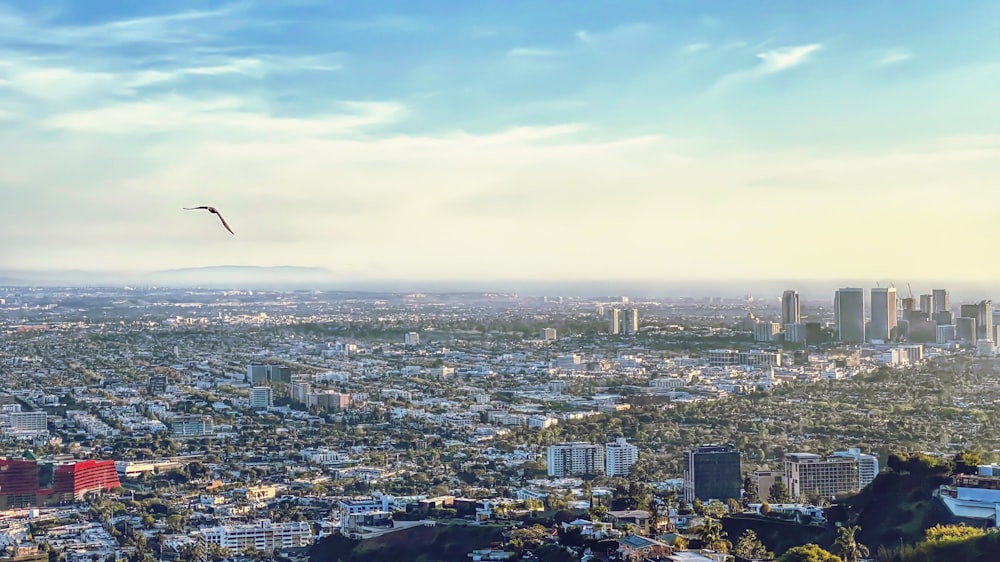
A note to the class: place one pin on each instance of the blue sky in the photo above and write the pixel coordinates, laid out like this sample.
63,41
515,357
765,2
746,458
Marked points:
509,139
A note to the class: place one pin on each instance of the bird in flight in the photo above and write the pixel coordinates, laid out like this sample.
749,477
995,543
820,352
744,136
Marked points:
214,211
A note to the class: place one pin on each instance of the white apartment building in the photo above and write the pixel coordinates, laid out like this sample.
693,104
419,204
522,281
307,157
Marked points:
261,398
192,426
567,459
412,338
807,473
265,536
867,465
619,457
29,423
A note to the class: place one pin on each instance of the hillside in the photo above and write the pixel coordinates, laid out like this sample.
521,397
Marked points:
898,505
442,543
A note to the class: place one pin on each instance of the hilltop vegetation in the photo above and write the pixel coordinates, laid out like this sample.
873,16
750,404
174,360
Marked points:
443,543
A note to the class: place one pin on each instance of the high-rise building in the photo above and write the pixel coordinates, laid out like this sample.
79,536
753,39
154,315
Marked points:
279,373
795,333
264,536
849,310
619,457
192,426
867,465
548,334
18,483
566,459
630,321
965,329
72,482
411,338
944,333
157,385
27,423
257,373
807,474
944,317
791,313
884,315
712,472
614,321
766,331
984,320
942,300
927,304
261,397
300,391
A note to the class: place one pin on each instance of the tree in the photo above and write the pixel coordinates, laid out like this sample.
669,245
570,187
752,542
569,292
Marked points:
749,546
733,505
808,553
778,493
946,533
713,537
967,462
749,491
847,546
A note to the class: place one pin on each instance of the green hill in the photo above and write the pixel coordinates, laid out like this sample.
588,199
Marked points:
442,543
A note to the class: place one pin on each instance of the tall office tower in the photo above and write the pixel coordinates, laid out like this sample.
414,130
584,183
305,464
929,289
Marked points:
965,329
884,316
411,338
257,373
766,331
790,311
619,457
630,321
984,320
279,373
908,303
261,397
567,459
548,334
712,472
614,321
927,304
942,300
849,309
944,317
806,473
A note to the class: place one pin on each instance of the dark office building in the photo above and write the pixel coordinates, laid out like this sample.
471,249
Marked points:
814,333
157,385
944,318
712,472
280,373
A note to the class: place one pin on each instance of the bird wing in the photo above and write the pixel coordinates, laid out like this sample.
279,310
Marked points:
194,208
225,224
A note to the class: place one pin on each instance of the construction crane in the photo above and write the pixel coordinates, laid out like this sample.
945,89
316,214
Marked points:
910,289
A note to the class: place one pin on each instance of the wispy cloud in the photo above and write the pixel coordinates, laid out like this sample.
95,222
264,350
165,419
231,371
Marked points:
771,62
532,52
692,48
784,58
219,118
893,56
180,27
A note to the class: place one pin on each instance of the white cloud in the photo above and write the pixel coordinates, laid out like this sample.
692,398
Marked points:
532,52
893,56
695,47
217,117
167,28
772,61
583,35
785,58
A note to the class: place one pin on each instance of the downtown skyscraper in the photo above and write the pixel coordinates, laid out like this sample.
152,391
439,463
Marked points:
849,311
790,311
884,314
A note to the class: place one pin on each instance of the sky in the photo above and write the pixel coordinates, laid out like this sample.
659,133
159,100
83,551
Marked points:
475,139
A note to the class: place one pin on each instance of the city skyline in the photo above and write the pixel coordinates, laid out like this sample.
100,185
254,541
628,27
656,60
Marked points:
465,141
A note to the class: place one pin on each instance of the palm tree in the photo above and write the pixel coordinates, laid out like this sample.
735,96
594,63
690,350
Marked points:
847,546
713,537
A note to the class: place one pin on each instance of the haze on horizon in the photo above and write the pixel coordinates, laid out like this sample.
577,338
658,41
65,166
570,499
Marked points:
474,140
